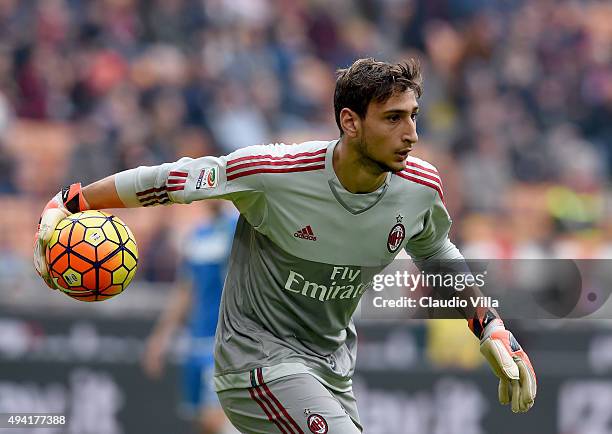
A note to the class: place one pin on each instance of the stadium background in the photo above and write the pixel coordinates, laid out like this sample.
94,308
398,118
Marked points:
516,115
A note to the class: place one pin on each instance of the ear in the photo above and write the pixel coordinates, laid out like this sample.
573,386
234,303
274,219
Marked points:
350,121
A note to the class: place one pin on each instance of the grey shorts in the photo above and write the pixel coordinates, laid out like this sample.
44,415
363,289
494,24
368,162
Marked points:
295,404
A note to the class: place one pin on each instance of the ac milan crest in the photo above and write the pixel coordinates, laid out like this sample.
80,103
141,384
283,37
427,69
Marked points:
396,236
317,424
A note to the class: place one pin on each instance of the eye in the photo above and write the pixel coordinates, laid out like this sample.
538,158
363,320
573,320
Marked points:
394,118
414,116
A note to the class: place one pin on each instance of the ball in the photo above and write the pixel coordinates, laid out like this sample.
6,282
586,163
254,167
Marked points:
92,256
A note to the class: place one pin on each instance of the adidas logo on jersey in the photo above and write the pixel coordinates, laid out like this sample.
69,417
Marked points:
306,234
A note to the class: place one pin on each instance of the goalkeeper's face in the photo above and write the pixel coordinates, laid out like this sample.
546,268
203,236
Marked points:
388,131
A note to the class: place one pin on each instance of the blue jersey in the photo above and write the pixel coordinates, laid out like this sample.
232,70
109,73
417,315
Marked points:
205,255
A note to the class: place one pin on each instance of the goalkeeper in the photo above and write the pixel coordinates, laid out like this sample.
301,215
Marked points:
318,220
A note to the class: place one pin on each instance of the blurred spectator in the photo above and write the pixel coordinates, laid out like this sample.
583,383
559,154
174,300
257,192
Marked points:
7,172
159,260
8,163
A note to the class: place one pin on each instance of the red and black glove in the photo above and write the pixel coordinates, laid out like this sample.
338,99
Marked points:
510,363
68,201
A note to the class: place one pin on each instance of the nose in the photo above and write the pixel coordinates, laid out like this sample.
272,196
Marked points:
410,134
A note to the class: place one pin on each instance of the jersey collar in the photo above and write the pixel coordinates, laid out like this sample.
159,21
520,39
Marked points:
343,196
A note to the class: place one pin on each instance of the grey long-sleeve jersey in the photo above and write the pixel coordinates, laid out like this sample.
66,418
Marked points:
304,251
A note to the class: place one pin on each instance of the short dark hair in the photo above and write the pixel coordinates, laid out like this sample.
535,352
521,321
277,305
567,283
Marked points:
369,80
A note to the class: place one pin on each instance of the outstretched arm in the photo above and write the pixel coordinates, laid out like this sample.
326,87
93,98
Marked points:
103,194
182,181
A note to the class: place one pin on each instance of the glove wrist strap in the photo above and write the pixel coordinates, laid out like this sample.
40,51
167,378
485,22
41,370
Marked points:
73,199
482,320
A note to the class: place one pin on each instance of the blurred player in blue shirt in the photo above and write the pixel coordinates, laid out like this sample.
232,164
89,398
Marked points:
195,303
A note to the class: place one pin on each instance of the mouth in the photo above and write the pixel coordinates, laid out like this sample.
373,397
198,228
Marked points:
403,154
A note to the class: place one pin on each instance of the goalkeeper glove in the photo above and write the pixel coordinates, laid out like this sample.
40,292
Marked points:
68,201
517,379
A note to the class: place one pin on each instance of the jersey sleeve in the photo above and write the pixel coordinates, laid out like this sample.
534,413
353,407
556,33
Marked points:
189,179
432,243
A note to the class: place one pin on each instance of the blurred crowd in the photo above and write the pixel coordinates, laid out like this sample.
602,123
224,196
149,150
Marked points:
516,112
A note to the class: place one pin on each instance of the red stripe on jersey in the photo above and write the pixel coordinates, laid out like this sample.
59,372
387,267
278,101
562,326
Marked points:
281,170
422,182
274,420
158,196
179,174
282,409
275,163
427,169
177,181
176,188
424,175
151,190
282,157
309,230
152,194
